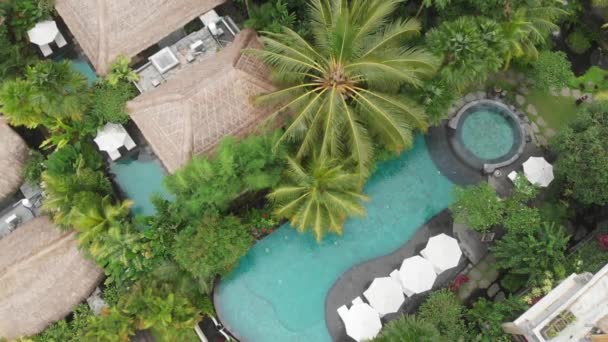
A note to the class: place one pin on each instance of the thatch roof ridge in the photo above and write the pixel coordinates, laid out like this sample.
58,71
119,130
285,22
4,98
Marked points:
43,276
190,112
13,156
108,28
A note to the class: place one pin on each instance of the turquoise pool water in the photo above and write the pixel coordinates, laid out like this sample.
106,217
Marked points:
487,134
84,68
140,180
277,293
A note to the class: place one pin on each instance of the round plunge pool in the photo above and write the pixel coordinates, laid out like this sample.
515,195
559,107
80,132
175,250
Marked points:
487,135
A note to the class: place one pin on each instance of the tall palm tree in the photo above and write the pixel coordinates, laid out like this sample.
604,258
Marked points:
527,28
319,197
343,85
97,216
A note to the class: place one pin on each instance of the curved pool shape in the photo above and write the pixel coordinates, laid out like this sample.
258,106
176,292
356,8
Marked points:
277,293
486,133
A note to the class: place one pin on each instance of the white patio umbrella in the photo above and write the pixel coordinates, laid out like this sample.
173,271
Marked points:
43,33
362,322
112,137
385,295
417,275
538,171
443,252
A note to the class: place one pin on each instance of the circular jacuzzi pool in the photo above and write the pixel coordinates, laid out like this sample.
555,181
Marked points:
487,135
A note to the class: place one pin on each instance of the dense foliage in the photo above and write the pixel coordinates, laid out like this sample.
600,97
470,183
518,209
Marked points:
236,168
532,253
477,206
487,318
582,149
445,312
408,329
211,249
551,70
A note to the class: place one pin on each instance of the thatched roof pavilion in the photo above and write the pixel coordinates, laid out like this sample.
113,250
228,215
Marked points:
108,28
13,155
191,112
43,276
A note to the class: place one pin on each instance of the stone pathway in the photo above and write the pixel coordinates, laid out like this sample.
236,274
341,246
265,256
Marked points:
481,276
541,133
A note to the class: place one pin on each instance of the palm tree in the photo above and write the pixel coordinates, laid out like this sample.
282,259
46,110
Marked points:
343,85
97,215
527,28
319,197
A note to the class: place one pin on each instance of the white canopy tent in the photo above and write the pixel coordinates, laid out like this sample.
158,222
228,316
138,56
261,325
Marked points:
385,295
538,171
417,275
443,252
111,138
362,322
43,33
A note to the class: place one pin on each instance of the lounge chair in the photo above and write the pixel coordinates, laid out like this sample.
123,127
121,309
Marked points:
114,154
60,40
46,50
129,143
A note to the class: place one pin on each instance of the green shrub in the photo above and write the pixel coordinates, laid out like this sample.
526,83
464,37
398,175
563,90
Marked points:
477,206
486,318
109,104
408,329
211,248
552,69
34,167
64,331
578,42
444,310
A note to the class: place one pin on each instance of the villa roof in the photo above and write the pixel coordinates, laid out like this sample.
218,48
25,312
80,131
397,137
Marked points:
43,276
191,112
108,28
13,155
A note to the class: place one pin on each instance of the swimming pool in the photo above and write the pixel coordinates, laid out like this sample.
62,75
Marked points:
487,133
277,293
84,68
139,179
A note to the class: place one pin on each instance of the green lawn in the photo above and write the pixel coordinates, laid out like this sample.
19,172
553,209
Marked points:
557,111
598,76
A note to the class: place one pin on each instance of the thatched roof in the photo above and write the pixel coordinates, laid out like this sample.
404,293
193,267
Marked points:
190,113
42,277
13,155
107,28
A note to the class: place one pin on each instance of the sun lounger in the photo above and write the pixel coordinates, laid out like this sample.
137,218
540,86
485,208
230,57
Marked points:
60,40
114,154
46,50
129,143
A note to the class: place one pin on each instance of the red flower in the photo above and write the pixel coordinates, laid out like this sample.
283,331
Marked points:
603,240
264,215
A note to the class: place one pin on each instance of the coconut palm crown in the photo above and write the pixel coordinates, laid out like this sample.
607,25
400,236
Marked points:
318,196
343,85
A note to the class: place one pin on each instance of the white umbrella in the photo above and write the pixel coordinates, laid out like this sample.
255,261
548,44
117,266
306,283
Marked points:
417,275
43,33
443,252
385,295
362,322
112,137
538,171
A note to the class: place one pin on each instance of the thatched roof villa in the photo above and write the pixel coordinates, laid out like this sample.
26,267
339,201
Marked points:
106,29
193,110
13,156
43,276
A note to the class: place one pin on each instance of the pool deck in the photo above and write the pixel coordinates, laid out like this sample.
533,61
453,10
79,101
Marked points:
356,280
